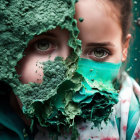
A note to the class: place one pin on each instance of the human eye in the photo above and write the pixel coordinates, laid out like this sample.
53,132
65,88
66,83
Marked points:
44,46
98,54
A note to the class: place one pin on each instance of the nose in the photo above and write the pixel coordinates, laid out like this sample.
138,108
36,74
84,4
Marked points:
62,36
65,50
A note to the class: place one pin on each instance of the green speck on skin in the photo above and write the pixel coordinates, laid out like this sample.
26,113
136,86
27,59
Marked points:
81,19
91,70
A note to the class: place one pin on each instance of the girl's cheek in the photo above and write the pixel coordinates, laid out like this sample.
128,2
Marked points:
31,70
32,74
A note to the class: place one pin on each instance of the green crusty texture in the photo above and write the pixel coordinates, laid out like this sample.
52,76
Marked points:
98,94
20,20
54,101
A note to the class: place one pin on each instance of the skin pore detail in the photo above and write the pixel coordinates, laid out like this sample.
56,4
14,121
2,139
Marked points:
54,86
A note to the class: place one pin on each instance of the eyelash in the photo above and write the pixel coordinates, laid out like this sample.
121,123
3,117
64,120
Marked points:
52,46
98,59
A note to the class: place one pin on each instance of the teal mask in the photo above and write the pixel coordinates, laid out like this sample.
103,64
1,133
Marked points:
103,72
97,95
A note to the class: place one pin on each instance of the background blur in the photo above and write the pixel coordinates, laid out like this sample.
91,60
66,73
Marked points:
133,66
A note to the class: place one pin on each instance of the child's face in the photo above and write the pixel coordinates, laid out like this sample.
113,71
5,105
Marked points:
101,36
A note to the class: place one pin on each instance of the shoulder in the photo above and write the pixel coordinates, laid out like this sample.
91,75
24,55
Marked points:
130,90
129,97
134,111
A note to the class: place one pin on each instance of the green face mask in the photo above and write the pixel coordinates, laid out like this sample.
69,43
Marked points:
97,95
21,20
102,73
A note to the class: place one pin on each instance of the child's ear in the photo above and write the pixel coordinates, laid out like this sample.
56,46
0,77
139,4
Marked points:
125,47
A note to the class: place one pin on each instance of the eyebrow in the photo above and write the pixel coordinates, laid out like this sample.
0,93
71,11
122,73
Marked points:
49,34
101,44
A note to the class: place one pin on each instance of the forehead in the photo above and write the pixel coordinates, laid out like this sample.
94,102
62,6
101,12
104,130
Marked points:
98,15
98,8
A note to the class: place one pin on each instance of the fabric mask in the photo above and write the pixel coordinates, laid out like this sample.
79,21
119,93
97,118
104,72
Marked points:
98,94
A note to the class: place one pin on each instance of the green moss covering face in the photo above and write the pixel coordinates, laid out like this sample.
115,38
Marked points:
57,101
20,21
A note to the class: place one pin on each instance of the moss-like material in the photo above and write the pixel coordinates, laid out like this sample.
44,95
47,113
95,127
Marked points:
54,102
21,20
81,19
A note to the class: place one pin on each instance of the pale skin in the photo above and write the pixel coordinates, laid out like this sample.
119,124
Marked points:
101,36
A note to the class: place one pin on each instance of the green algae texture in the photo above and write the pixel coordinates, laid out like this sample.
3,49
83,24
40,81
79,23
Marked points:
61,98
21,20
81,19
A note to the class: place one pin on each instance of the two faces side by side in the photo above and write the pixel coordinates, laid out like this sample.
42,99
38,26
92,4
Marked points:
100,33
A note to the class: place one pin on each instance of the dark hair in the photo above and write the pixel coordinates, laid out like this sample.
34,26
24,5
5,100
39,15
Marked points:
125,7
